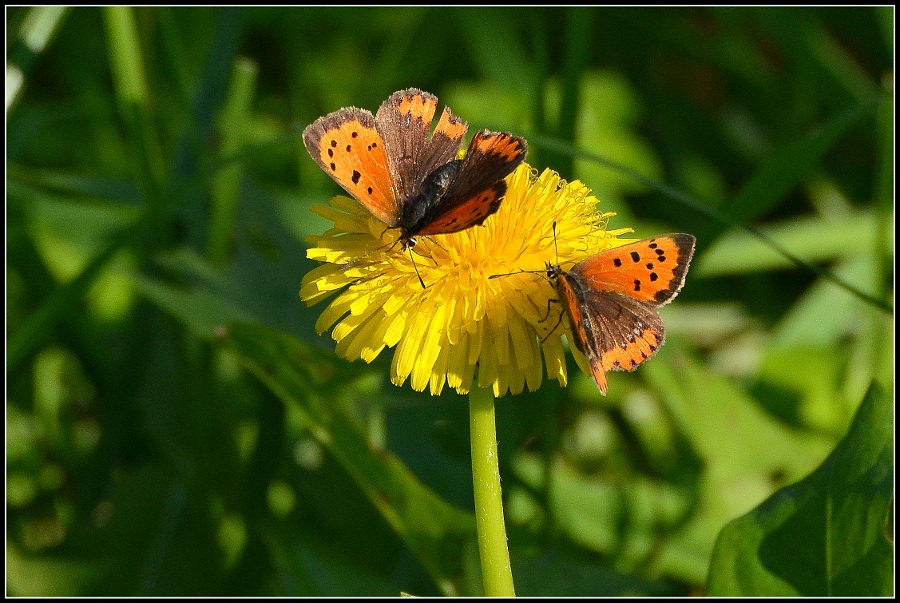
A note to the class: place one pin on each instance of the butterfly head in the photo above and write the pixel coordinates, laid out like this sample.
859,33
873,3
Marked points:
553,271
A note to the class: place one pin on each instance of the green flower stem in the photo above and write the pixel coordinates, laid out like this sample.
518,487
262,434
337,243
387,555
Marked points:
495,568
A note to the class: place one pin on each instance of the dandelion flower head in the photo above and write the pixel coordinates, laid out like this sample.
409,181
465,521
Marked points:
464,328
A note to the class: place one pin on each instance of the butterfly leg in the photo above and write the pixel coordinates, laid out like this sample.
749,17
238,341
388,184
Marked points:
558,320
547,315
413,242
553,330
436,242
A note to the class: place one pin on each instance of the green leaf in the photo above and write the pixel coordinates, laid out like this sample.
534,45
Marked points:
236,114
738,445
201,311
435,531
309,385
495,47
826,535
560,573
324,570
37,30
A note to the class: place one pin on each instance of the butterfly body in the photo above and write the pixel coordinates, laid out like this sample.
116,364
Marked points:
417,212
611,300
408,179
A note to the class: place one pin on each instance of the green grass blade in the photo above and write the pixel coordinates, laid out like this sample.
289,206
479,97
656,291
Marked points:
40,25
38,327
233,127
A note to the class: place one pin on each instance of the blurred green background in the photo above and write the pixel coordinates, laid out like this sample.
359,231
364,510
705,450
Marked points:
158,190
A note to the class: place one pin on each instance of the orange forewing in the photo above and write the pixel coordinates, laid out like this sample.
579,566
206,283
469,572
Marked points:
650,270
612,299
348,148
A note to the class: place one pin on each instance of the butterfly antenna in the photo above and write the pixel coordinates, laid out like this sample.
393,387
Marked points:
387,247
416,267
555,247
511,273
541,272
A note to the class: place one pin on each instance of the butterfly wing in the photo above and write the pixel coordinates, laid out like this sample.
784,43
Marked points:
348,147
478,185
403,121
651,270
613,331
406,178
625,331
612,300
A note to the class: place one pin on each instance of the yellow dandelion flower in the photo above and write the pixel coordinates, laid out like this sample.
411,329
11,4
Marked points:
464,327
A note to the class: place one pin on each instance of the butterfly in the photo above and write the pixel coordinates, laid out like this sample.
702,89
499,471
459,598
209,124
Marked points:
611,300
407,179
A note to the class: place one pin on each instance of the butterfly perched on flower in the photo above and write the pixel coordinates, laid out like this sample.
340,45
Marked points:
408,179
611,299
